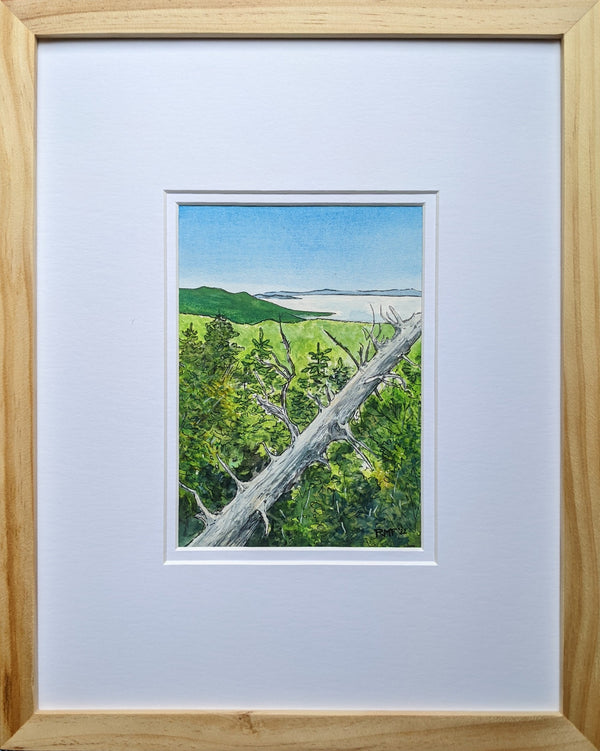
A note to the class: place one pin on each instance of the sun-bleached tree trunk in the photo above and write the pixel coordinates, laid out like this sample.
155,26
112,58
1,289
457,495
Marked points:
235,523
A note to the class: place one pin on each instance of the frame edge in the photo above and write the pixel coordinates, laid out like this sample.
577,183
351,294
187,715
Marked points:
581,406
17,315
255,18
581,375
296,731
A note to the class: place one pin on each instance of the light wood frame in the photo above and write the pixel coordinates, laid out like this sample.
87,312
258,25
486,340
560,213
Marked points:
577,24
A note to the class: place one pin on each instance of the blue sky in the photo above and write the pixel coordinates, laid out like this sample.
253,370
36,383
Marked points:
264,248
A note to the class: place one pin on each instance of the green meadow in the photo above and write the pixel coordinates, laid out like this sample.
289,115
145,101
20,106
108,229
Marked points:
302,336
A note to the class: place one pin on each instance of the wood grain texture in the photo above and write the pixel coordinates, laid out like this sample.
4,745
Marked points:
298,731
17,530
581,376
300,17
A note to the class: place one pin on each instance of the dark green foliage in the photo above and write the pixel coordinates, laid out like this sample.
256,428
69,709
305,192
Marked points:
318,367
239,307
340,375
206,400
347,504
217,351
367,495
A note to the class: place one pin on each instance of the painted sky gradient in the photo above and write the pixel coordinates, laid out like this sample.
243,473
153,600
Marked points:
265,248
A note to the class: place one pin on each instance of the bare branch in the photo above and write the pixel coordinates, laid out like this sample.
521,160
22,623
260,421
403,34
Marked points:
316,400
280,413
369,335
392,317
288,351
270,454
238,483
329,393
205,515
284,372
343,346
390,378
265,519
396,377
287,373
322,459
278,368
358,446
410,362
397,318
261,383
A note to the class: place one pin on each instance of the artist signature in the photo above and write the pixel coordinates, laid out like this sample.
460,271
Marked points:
390,531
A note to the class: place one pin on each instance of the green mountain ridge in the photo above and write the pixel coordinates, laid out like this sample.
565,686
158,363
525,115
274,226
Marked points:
239,307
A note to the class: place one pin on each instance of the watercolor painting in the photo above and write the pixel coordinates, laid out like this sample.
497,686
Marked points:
299,375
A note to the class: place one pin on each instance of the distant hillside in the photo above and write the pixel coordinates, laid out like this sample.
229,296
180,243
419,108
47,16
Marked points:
289,295
239,307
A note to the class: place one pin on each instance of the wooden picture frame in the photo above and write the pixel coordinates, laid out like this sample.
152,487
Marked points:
577,24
